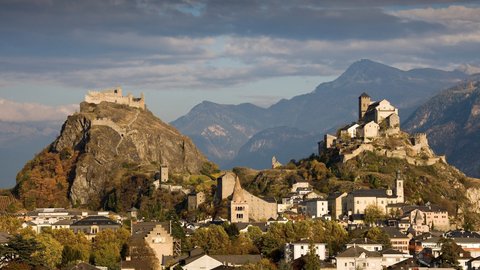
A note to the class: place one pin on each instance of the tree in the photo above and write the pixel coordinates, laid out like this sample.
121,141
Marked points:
312,262
450,253
378,235
213,239
19,250
9,224
107,246
373,214
49,252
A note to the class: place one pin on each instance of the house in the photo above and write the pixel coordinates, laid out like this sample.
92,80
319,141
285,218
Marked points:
358,200
399,240
366,244
62,224
392,256
359,258
237,260
298,249
300,184
423,218
316,208
200,262
337,204
92,225
245,206
473,264
149,244
349,131
368,130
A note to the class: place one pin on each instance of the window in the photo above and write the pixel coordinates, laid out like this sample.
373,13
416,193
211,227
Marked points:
301,247
239,215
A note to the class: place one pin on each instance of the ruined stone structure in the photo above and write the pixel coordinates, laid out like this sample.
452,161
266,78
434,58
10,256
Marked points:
245,207
114,95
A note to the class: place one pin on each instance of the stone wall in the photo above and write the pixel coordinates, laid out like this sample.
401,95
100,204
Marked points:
115,96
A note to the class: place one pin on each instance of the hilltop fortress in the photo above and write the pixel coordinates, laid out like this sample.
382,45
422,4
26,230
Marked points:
114,95
378,130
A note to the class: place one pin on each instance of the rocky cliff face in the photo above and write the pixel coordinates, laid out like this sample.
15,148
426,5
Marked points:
107,140
451,121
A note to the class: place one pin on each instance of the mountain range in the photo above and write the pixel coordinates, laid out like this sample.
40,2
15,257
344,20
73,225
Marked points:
451,121
227,133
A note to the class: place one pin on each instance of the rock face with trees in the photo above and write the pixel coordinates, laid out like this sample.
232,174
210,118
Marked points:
99,147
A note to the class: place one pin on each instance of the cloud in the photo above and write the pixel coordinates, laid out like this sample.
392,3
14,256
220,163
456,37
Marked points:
11,111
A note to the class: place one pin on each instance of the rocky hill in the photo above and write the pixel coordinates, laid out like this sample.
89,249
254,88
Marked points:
451,121
100,147
428,178
220,131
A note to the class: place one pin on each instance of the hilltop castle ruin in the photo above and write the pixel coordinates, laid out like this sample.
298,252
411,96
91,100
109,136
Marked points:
114,95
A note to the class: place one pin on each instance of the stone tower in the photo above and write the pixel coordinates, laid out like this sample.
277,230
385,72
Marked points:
163,173
399,187
364,101
239,209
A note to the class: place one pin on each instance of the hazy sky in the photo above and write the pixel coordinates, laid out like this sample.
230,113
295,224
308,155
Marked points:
182,52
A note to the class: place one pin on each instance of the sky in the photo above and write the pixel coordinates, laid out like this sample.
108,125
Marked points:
180,53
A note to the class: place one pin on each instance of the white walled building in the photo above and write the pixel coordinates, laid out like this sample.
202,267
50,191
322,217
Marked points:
298,249
316,208
358,258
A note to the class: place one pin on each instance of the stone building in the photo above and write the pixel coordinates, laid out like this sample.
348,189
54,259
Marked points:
92,225
374,111
151,241
114,95
225,184
358,200
194,199
163,173
245,207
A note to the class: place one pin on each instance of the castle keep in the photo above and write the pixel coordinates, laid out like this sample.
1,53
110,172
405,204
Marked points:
114,95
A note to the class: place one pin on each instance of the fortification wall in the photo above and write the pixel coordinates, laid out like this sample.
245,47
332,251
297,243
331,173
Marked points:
109,123
362,148
115,96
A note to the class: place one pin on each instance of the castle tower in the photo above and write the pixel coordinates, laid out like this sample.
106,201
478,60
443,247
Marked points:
399,187
239,210
364,101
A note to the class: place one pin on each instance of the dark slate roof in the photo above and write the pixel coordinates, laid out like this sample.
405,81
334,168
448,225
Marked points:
95,220
379,193
394,232
462,234
237,259
224,267
392,251
364,95
64,222
141,229
355,251
406,264
243,225
363,241
423,208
